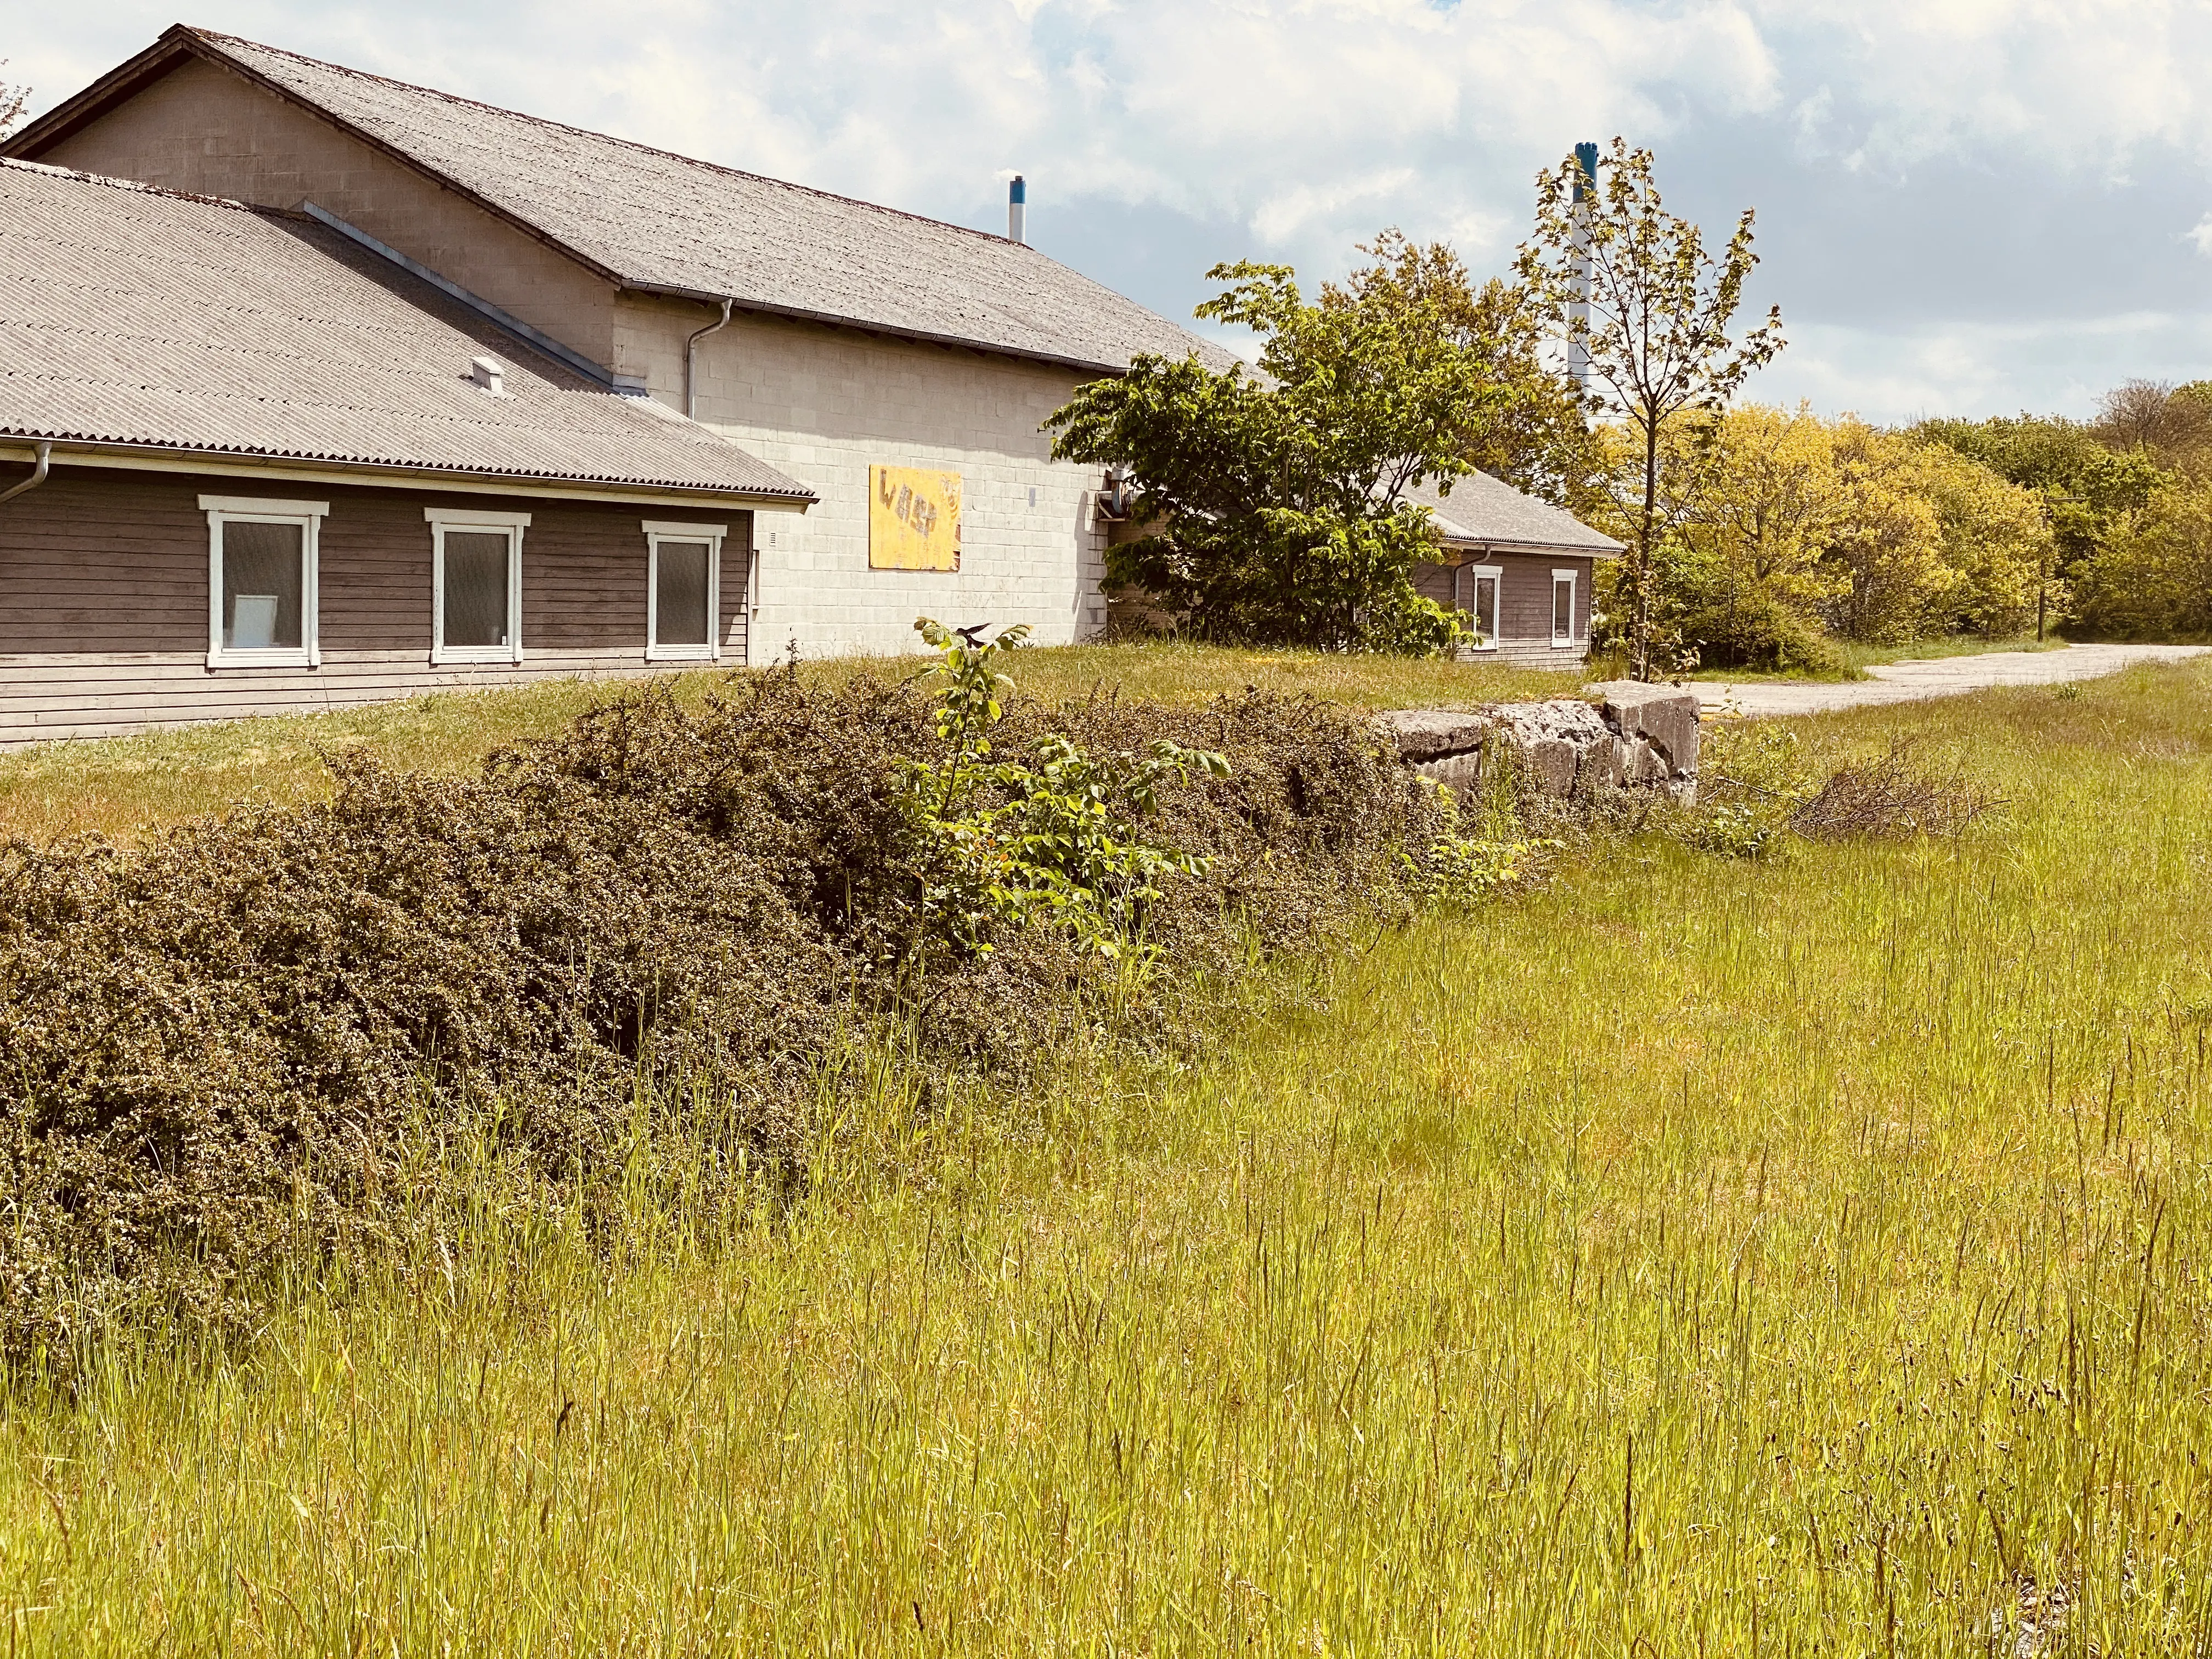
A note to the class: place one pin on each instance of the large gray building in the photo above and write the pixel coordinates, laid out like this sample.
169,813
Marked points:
784,416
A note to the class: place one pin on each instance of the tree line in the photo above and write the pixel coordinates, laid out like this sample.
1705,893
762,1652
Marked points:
1273,496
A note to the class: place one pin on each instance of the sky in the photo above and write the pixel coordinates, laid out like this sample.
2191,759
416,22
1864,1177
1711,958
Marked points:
1965,207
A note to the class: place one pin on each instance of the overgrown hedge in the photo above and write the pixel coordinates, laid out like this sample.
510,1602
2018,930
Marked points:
224,1047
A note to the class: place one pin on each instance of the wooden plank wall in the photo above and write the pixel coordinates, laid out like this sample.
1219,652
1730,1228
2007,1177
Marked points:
1524,605
104,601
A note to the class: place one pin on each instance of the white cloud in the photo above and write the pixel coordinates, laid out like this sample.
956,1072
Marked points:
2079,83
1301,119
1896,375
1292,129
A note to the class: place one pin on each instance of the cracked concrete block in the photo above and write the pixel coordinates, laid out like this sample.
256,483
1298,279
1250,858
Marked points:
1645,738
1551,764
1426,734
1460,772
1643,762
1663,716
1564,719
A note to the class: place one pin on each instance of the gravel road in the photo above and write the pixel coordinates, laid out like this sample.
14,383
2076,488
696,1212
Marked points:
1941,676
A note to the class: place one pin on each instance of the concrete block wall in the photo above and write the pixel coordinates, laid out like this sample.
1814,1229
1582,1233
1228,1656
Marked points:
824,404
1635,738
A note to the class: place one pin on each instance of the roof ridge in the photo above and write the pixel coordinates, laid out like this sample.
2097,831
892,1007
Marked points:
142,189
216,37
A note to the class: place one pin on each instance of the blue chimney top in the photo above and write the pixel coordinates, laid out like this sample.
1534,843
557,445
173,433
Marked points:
1018,192
1586,158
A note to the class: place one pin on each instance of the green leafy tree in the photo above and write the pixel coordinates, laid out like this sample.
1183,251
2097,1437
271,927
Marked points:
1049,842
2088,485
1755,494
1274,500
1542,439
2171,424
1784,528
2152,578
1655,332
2091,494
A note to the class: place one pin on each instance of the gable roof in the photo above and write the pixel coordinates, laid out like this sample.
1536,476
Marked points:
146,319
663,223
1486,512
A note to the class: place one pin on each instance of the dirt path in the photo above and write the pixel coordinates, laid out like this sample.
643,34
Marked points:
1942,676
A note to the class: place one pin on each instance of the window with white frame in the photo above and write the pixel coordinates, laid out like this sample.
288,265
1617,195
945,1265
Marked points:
1486,583
475,585
1563,607
683,592
262,581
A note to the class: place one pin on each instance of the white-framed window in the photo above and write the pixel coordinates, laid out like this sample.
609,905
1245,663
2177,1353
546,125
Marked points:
682,591
1487,585
475,585
1562,608
262,599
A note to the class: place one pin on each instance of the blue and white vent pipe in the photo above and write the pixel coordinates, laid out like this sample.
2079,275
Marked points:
1579,308
1017,210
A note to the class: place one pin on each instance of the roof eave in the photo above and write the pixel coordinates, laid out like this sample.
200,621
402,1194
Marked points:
119,85
1502,544
798,313
404,474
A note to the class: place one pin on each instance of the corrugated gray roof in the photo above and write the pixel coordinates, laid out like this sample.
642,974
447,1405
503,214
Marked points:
1490,512
132,315
656,221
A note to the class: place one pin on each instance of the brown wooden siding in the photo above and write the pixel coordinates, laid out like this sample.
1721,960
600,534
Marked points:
1524,603
104,601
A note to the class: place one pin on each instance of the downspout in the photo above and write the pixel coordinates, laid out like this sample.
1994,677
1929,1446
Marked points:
38,474
691,361
691,413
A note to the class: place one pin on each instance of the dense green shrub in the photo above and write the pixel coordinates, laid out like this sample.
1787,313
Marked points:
2152,578
216,1050
1754,628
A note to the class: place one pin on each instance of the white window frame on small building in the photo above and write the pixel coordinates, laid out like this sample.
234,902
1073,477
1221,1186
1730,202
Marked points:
1573,581
471,521
658,530
308,516
1494,574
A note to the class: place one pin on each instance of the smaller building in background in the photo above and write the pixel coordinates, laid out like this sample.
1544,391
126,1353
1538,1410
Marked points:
1518,569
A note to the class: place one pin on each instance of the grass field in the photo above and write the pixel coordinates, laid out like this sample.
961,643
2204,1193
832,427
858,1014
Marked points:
120,787
1689,1257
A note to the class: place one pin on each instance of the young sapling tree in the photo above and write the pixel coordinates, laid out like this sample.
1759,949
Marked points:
1655,330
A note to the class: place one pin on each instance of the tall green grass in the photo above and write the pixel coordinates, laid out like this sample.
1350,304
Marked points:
1688,1258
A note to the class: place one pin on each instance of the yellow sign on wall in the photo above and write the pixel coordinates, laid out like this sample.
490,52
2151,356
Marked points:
914,518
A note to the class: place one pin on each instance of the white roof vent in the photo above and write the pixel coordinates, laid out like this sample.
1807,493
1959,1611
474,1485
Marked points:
486,375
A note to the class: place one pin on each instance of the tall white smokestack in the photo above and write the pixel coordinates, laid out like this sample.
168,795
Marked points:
1017,210
1579,307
